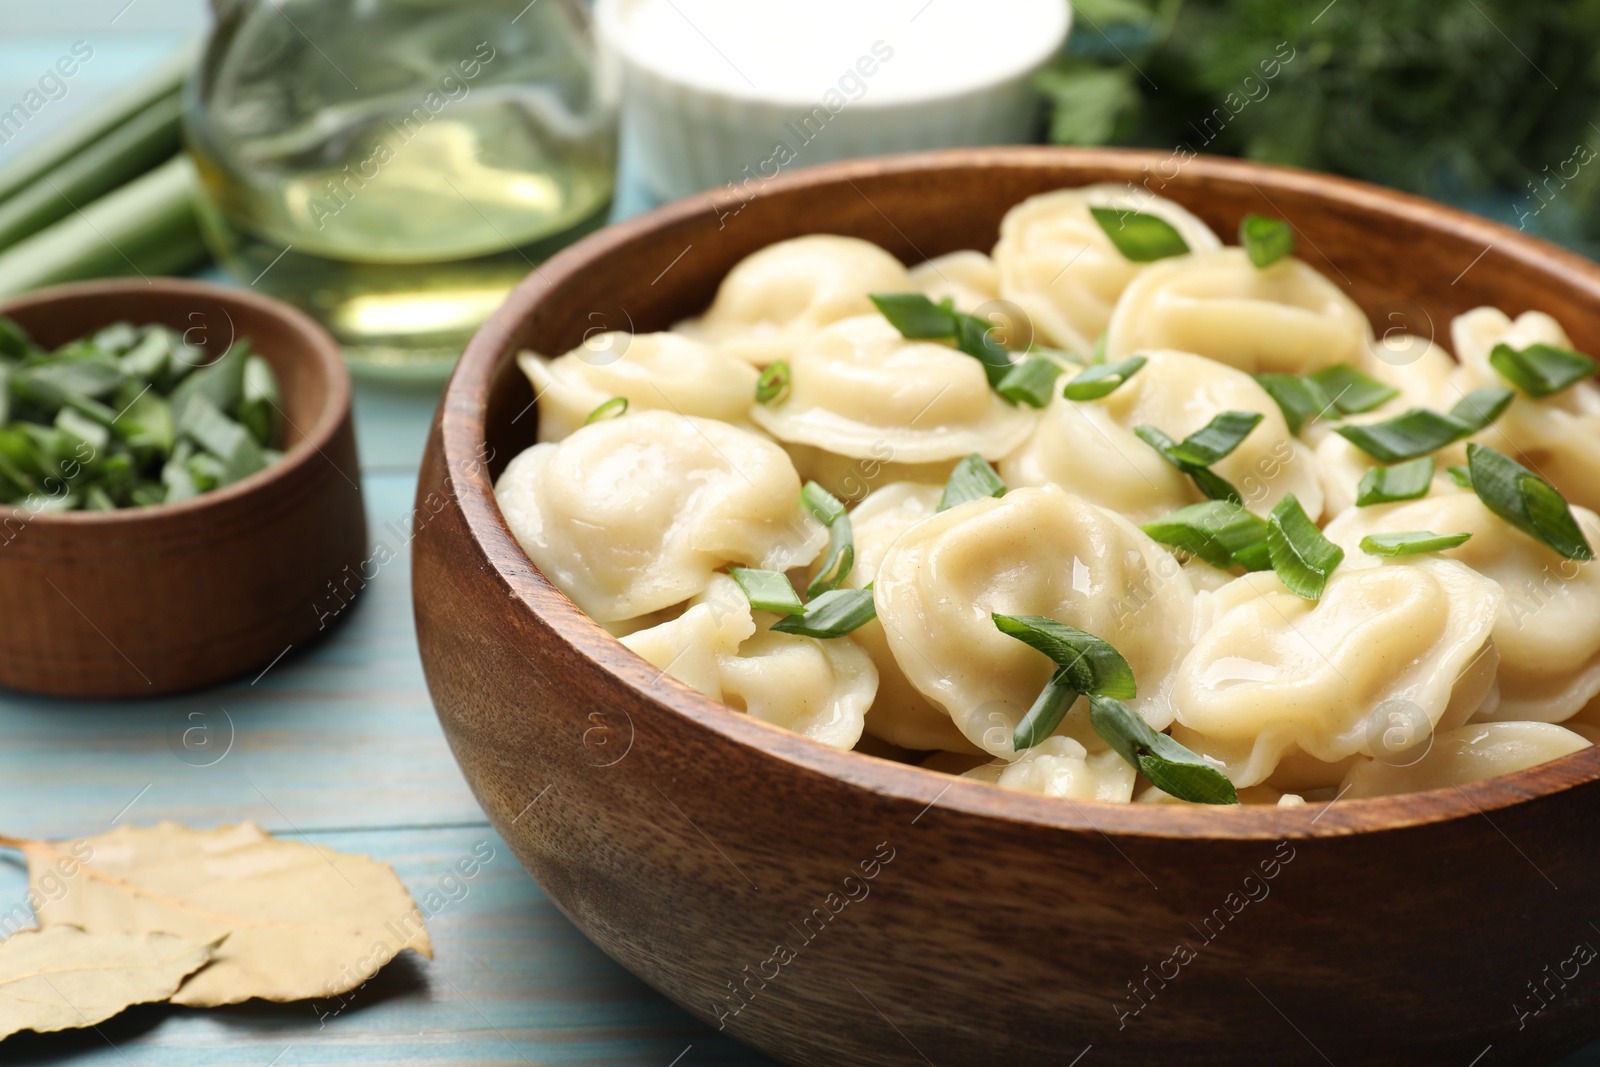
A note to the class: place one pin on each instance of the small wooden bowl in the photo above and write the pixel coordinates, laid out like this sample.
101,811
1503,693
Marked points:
831,908
154,600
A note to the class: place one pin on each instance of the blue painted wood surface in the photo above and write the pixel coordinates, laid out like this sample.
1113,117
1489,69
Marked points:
337,743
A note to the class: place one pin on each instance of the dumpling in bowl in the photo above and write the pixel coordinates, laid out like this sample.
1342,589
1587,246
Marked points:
1034,551
654,371
968,279
1058,265
1284,319
1062,767
776,298
1465,754
1090,448
635,514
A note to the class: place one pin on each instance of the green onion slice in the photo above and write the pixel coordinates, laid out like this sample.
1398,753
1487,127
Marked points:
833,614
1140,238
1541,369
1301,556
1265,240
1091,664
1403,481
768,590
773,385
1460,475
1302,400
1352,391
1170,767
1410,542
1526,501
613,408
1211,484
915,316
823,505
975,337
1047,711
972,479
841,555
1222,533
1479,408
1415,433
1030,382
1102,379
1217,439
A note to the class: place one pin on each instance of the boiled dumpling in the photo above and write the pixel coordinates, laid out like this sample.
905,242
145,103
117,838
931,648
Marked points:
1057,264
652,370
1061,767
1089,447
1557,436
1034,551
631,515
820,689
1342,465
1467,754
778,297
858,387
1548,626
1284,319
1274,673
967,279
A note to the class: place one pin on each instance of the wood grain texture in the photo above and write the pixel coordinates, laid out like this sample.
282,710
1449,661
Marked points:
145,601
693,844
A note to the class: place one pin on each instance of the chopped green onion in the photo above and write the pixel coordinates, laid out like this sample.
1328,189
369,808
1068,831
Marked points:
833,614
768,590
1351,391
1223,534
1171,767
230,443
1046,712
1217,439
1460,475
1097,354
974,336
823,505
841,557
773,385
1102,379
611,409
1410,542
1526,501
1479,408
1415,433
258,403
915,316
972,479
1541,369
1265,240
1030,382
1301,400
1140,237
1091,664
1301,556
1403,481
1210,483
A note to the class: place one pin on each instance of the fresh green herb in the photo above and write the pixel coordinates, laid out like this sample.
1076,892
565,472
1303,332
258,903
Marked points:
1265,240
1097,354
1301,556
833,614
1410,542
1526,501
1217,439
616,407
1540,370
1403,481
1352,391
1140,237
1460,475
1210,483
1479,408
975,337
841,556
768,590
972,479
258,404
773,385
1030,382
1046,712
1102,379
1087,664
915,316
1223,534
1415,433
1302,400
1171,767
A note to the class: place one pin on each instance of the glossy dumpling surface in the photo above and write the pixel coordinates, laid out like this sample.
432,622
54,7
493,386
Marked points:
1034,551
1286,319
631,515
1061,767
1058,265
778,297
968,279
1466,754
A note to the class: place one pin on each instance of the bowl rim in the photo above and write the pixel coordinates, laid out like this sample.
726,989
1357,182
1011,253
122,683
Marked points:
462,449
317,345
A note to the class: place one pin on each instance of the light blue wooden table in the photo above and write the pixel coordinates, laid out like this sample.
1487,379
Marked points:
337,744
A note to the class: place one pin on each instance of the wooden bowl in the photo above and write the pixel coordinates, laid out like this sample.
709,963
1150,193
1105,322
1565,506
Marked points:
831,908
154,600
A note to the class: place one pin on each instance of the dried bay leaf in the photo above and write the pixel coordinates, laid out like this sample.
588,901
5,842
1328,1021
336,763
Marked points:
302,920
62,978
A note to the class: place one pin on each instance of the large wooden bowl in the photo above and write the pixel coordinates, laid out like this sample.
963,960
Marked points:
154,600
831,908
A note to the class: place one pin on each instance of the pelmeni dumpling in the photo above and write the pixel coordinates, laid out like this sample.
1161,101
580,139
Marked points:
1061,767
1056,263
1284,319
652,370
900,715
778,297
1548,625
858,387
631,515
1090,448
821,689
967,279
1034,551
1557,436
1274,673
1466,754
1342,465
